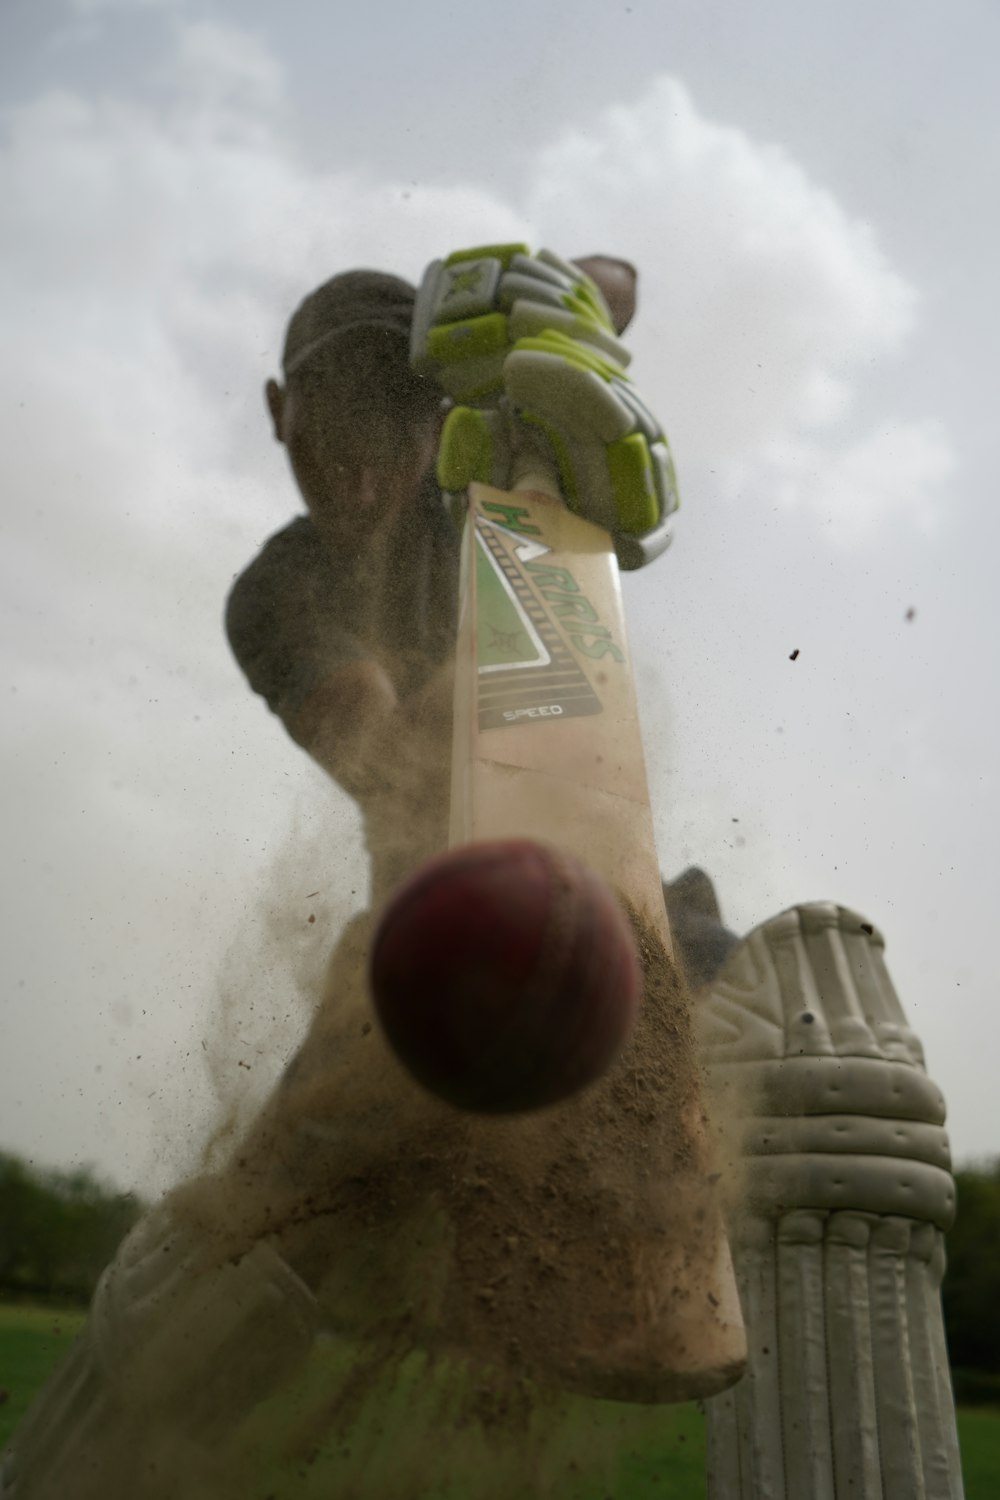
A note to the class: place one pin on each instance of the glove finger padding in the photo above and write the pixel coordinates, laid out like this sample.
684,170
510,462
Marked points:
612,457
472,308
527,346
627,486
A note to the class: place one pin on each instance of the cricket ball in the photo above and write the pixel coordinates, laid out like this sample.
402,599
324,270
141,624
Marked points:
505,976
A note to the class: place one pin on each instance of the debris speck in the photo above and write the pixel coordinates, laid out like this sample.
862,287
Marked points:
795,655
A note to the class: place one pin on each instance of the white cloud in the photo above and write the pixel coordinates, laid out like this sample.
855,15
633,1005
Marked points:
896,473
99,7
764,303
226,68
150,257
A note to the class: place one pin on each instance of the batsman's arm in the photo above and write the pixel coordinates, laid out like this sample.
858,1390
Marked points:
334,697
343,719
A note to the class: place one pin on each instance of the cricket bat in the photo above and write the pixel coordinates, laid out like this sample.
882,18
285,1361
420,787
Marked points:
546,729
547,746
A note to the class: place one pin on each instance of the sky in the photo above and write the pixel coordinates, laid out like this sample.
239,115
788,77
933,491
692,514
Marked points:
807,193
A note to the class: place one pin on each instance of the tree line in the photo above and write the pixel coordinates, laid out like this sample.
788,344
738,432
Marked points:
59,1229
972,1285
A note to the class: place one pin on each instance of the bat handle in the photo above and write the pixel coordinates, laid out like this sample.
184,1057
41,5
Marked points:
531,471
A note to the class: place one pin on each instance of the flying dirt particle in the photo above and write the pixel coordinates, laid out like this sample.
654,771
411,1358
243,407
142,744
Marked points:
312,916
911,614
795,655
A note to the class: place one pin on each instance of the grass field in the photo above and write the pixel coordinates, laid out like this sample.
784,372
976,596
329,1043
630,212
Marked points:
32,1341
642,1453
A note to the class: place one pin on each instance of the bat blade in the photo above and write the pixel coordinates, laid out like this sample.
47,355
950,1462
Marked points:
547,741
547,745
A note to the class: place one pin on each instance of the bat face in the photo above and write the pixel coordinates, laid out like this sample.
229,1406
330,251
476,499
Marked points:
547,746
547,740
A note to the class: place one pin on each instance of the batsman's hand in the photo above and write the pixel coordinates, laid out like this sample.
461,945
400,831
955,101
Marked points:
525,344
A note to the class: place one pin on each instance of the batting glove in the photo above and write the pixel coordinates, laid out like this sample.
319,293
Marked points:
526,344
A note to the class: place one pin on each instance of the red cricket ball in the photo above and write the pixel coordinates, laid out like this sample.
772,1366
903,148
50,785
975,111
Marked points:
505,975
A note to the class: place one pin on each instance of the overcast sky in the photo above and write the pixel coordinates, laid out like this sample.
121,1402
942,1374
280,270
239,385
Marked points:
810,194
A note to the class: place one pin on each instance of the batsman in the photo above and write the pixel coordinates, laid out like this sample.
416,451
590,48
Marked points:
828,1135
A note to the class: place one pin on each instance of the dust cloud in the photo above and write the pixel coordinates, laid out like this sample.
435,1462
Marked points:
269,984
371,1294
364,1292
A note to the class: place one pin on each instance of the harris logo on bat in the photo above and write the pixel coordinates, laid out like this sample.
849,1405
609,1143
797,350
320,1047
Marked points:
532,620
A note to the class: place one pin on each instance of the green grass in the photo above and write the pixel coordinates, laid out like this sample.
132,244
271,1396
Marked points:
342,1430
581,1450
32,1342
979,1435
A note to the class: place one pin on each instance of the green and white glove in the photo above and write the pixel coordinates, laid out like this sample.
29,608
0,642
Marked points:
526,345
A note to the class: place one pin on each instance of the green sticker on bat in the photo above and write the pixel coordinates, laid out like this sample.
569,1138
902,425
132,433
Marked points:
527,673
506,636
